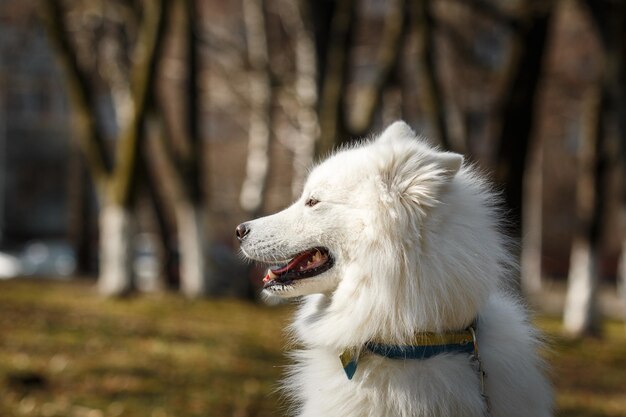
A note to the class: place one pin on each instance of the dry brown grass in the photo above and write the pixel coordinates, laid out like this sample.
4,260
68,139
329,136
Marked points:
66,352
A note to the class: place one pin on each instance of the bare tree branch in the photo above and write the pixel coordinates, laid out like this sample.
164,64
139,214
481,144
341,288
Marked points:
92,139
147,54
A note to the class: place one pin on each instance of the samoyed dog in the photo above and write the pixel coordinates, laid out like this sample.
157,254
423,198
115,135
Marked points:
396,252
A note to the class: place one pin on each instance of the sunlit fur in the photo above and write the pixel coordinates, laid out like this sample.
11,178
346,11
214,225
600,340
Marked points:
417,247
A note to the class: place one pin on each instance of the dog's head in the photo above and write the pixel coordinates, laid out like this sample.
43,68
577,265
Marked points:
356,208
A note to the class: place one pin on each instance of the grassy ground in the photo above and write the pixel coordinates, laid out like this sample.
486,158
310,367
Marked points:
66,352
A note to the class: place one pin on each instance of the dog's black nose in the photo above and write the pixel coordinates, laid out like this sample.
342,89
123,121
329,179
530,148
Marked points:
242,231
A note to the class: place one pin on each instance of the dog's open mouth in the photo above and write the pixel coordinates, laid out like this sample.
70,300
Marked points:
306,264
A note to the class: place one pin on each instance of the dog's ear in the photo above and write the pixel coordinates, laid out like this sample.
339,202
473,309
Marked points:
417,173
450,162
397,131
411,169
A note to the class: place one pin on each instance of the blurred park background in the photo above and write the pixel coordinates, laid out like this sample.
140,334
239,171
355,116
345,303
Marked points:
135,135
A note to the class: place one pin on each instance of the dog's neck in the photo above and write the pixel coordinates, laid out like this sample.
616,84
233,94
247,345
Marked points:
423,346
323,322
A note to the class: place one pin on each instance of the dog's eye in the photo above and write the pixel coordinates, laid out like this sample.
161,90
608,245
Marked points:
311,202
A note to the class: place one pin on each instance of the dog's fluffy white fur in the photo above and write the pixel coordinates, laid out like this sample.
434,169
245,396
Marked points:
416,242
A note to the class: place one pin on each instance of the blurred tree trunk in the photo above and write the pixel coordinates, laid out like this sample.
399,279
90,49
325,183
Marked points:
191,236
298,21
80,213
388,56
196,269
192,281
90,137
254,185
609,18
117,228
196,273
115,183
170,263
518,109
306,92
531,271
186,167
433,96
116,216
334,27
618,89
581,310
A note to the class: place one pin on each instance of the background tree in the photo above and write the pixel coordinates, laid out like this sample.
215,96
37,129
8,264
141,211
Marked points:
303,108
80,215
368,101
581,316
179,150
531,272
115,179
518,103
261,103
197,271
433,97
314,75
333,23
609,19
517,124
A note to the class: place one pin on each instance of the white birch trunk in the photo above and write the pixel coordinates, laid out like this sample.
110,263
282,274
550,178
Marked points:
123,107
580,303
532,220
257,164
621,272
116,250
3,165
581,313
192,245
306,94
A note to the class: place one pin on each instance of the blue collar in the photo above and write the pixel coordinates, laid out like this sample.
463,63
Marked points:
422,346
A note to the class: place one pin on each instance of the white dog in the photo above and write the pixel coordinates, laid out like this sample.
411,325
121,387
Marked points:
398,251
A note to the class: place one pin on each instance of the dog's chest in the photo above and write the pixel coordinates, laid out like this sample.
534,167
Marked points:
441,386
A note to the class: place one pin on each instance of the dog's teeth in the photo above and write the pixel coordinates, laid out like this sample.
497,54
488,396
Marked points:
270,276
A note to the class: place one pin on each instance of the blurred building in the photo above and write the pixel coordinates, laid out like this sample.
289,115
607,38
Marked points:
34,130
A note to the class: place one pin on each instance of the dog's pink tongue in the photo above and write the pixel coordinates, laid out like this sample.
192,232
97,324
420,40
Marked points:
292,264
307,259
